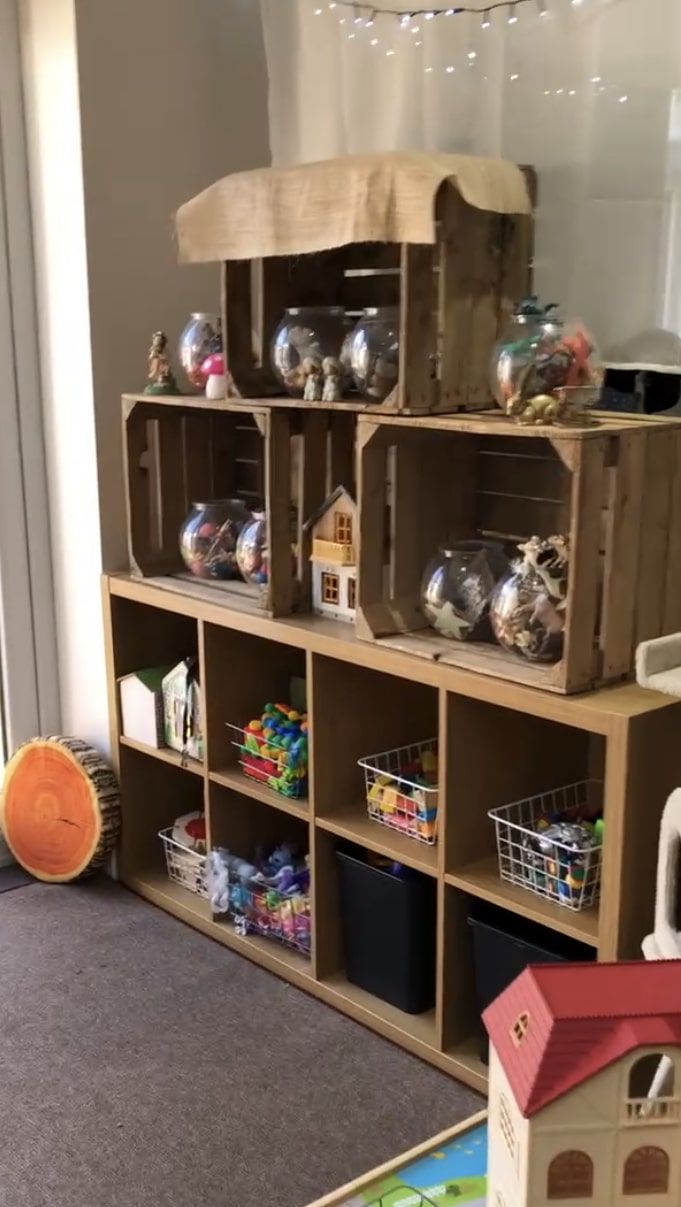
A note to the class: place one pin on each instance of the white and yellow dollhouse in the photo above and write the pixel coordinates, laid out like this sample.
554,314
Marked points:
576,1110
333,533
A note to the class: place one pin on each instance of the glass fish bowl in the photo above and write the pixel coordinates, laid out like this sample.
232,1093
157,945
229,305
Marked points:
541,353
528,608
373,351
252,553
458,585
201,337
306,352
209,537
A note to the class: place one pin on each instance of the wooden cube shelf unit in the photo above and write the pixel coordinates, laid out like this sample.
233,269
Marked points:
498,742
613,488
180,450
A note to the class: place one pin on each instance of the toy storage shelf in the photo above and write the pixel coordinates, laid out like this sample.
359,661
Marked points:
498,742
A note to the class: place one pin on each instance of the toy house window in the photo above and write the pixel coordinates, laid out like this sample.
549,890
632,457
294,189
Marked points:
571,1176
352,592
330,588
646,1171
506,1125
342,528
651,1091
520,1028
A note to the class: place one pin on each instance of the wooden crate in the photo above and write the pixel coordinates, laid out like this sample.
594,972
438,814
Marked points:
181,450
454,298
614,489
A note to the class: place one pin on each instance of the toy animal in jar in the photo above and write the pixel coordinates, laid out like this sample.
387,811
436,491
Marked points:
457,586
209,536
544,369
528,608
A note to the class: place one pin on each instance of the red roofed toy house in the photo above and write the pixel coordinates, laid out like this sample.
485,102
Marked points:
585,1086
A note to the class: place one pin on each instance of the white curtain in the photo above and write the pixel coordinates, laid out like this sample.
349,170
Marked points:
587,94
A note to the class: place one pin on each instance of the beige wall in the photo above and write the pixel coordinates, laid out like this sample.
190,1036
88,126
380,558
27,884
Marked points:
132,107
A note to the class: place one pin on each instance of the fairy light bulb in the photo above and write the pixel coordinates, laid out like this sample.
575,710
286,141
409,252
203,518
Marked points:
486,20
541,5
512,15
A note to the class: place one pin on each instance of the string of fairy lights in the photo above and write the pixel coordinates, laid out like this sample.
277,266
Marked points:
366,22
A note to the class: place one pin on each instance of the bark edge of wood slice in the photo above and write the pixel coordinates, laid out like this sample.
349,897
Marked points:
59,808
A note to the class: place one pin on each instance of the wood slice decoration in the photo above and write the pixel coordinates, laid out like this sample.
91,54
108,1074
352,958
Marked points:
59,809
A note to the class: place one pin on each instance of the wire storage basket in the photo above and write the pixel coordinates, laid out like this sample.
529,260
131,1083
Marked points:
401,789
257,909
185,867
551,843
270,762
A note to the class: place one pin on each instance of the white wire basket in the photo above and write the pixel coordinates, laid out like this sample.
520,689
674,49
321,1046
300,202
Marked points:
541,864
184,866
281,772
396,797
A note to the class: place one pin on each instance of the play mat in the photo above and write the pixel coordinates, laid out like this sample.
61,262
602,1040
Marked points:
448,1171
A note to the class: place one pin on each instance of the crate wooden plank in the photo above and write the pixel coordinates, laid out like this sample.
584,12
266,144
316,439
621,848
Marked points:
622,556
652,569
237,322
312,489
278,492
537,476
416,388
137,496
270,286
171,501
515,518
372,615
223,451
342,470
197,436
671,621
580,654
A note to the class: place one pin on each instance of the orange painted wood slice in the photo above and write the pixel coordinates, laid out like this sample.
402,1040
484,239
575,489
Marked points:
59,809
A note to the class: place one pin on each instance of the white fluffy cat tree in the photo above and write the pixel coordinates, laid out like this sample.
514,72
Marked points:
658,666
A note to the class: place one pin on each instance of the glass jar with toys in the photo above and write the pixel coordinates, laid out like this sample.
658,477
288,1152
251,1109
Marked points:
269,896
273,749
402,789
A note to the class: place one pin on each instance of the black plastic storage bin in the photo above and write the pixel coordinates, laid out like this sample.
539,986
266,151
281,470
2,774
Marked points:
388,928
504,944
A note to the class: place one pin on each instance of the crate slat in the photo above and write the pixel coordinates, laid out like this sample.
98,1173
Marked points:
672,604
622,545
655,517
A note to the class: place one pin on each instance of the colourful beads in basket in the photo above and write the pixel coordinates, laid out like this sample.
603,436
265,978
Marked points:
275,749
401,800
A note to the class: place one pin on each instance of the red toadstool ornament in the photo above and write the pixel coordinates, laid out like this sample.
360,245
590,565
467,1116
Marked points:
213,369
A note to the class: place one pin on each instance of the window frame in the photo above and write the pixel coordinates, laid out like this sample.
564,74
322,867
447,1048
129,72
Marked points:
28,648
342,524
327,575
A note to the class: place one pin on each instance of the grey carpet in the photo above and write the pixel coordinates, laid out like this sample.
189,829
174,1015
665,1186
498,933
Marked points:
143,1065
14,877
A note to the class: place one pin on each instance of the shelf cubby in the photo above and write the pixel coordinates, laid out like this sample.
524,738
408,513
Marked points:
157,793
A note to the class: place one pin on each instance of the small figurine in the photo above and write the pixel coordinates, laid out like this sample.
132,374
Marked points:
213,369
160,377
332,391
313,380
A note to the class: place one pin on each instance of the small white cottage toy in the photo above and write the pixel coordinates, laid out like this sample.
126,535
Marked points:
332,530
577,1110
141,697
182,709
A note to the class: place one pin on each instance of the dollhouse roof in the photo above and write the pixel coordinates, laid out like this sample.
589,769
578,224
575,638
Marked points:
580,1018
317,515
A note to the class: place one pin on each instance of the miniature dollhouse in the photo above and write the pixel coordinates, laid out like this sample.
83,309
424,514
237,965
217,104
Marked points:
574,1052
332,531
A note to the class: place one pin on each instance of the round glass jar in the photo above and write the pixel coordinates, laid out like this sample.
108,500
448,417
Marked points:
306,352
527,611
209,535
541,354
201,337
457,587
252,554
374,352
